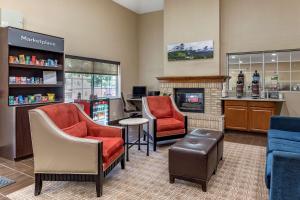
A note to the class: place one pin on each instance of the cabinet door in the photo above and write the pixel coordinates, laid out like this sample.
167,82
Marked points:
259,119
236,117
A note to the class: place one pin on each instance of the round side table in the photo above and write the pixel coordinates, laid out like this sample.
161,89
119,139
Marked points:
135,122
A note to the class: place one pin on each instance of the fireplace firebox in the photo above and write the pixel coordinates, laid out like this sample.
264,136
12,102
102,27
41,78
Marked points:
189,99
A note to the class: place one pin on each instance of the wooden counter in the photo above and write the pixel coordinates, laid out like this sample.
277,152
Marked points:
248,114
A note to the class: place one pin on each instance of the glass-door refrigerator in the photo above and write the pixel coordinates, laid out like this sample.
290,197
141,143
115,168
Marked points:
97,109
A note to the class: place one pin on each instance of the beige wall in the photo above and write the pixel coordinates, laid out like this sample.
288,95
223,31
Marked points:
150,36
257,25
191,21
91,28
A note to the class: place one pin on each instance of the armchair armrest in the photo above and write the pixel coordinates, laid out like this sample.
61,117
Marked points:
57,152
148,115
285,123
177,113
285,176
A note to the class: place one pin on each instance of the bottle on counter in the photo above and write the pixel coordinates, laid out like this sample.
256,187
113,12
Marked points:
240,85
255,85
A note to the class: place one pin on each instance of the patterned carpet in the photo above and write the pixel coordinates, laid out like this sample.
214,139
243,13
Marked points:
239,176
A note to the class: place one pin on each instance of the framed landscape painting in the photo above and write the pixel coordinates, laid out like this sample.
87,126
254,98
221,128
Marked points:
191,51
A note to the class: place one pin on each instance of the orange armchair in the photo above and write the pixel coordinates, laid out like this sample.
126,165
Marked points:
165,120
69,146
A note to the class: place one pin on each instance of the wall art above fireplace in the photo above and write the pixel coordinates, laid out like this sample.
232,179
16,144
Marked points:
189,99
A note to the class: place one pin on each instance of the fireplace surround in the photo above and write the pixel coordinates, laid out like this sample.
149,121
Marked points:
212,117
189,99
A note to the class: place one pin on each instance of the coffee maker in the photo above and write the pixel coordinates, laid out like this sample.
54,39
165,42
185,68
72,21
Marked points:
255,85
240,85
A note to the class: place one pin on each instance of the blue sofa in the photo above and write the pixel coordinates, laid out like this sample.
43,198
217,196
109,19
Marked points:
283,158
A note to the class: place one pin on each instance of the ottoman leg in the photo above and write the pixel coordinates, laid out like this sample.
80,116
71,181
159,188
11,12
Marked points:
172,178
204,186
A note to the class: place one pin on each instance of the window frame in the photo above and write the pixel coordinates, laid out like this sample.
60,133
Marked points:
93,74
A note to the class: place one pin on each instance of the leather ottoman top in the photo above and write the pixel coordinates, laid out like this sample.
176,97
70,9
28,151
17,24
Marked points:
194,145
207,133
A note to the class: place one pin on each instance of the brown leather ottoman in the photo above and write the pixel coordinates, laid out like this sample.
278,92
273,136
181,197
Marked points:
214,135
193,159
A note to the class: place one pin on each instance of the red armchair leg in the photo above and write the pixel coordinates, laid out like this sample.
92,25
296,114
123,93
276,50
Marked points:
38,185
123,163
99,185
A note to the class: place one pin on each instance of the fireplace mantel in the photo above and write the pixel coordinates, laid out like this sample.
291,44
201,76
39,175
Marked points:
192,79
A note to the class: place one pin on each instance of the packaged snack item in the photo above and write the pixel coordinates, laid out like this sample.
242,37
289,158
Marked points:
22,59
23,80
51,96
12,80
18,80
27,60
11,59
33,60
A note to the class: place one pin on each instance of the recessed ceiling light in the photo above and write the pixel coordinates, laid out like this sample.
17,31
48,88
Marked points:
273,60
233,57
274,54
241,62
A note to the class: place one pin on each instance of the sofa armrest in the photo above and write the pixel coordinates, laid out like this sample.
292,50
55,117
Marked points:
285,123
57,152
285,176
148,115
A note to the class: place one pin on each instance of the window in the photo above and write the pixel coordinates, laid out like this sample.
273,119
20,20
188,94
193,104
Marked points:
276,68
85,77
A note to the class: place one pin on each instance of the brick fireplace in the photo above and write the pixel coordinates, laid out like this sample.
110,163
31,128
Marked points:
211,117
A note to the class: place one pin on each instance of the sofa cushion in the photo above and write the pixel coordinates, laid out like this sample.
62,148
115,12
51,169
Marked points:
160,106
77,130
287,135
63,115
269,164
167,124
275,144
110,145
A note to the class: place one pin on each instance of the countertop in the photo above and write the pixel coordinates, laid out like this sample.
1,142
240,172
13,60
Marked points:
251,99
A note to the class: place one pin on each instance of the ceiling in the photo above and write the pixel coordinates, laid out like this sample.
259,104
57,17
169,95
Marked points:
142,6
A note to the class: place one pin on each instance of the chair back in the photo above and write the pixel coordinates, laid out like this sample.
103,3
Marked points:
160,106
63,114
124,102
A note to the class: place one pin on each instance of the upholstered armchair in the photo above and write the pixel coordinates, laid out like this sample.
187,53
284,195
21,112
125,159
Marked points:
165,120
69,146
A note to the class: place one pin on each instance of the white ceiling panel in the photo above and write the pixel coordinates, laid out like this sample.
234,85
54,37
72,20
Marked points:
142,6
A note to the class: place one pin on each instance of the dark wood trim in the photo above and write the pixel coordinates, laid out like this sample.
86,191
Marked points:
186,124
154,134
35,85
36,32
192,79
97,178
58,68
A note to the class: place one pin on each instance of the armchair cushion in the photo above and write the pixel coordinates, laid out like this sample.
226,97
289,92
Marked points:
104,131
111,145
77,130
160,106
63,115
168,124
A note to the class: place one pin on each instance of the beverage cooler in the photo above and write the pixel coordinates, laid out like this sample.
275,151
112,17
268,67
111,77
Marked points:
97,109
